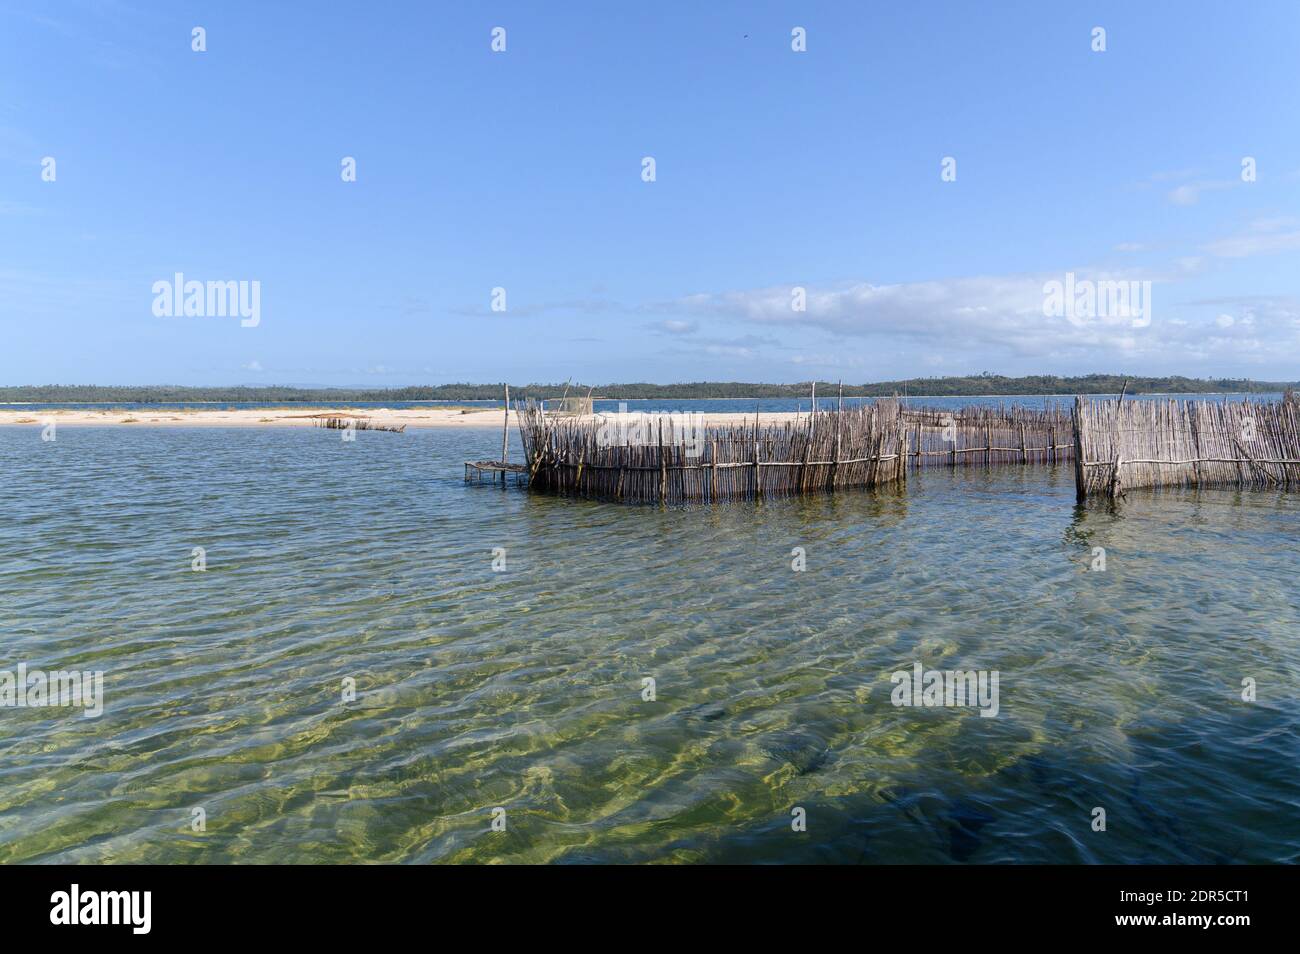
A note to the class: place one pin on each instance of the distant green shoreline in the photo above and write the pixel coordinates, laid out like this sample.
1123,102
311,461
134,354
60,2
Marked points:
984,385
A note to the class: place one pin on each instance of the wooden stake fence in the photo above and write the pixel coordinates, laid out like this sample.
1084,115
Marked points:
683,461
1185,444
357,424
985,436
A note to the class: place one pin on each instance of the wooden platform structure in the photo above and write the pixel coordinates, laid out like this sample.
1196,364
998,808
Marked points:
498,469
495,469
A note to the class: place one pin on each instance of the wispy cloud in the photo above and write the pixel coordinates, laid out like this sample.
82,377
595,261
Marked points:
1190,193
586,306
19,208
1263,237
675,326
744,346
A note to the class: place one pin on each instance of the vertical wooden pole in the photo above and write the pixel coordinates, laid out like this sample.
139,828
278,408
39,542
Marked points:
902,448
814,408
505,431
1195,429
803,464
1080,478
839,428
713,470
663,465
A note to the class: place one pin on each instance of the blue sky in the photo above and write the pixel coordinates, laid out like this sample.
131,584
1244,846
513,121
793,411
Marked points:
522,170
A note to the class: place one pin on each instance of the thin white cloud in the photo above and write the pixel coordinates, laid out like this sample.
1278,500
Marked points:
675,326
1190,193
1003,316
1264,237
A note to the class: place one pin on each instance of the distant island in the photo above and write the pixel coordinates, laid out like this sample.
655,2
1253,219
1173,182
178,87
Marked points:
974,385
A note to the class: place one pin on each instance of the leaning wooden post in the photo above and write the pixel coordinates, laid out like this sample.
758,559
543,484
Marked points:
988,445
1024,452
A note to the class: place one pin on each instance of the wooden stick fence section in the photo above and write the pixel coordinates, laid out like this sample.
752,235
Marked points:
1185,444
680,461
357,424
985,436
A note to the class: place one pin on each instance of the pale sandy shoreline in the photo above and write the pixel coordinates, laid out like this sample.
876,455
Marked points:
301,417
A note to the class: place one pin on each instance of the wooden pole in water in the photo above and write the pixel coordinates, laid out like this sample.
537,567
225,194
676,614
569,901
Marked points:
839,419
505,431
1080,481
663,465
902,450
713,470
803,464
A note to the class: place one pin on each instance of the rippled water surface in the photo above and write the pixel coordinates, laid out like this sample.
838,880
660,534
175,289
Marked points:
522,689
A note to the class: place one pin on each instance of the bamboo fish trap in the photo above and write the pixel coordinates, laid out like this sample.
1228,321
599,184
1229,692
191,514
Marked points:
1185,444
678,461
357,424
985,436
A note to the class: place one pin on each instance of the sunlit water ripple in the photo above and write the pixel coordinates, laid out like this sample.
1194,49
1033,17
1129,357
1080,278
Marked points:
523,689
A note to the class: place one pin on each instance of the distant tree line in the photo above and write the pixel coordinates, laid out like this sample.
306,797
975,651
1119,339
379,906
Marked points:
974,385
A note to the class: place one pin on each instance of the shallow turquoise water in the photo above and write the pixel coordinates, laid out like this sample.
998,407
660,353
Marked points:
522,689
